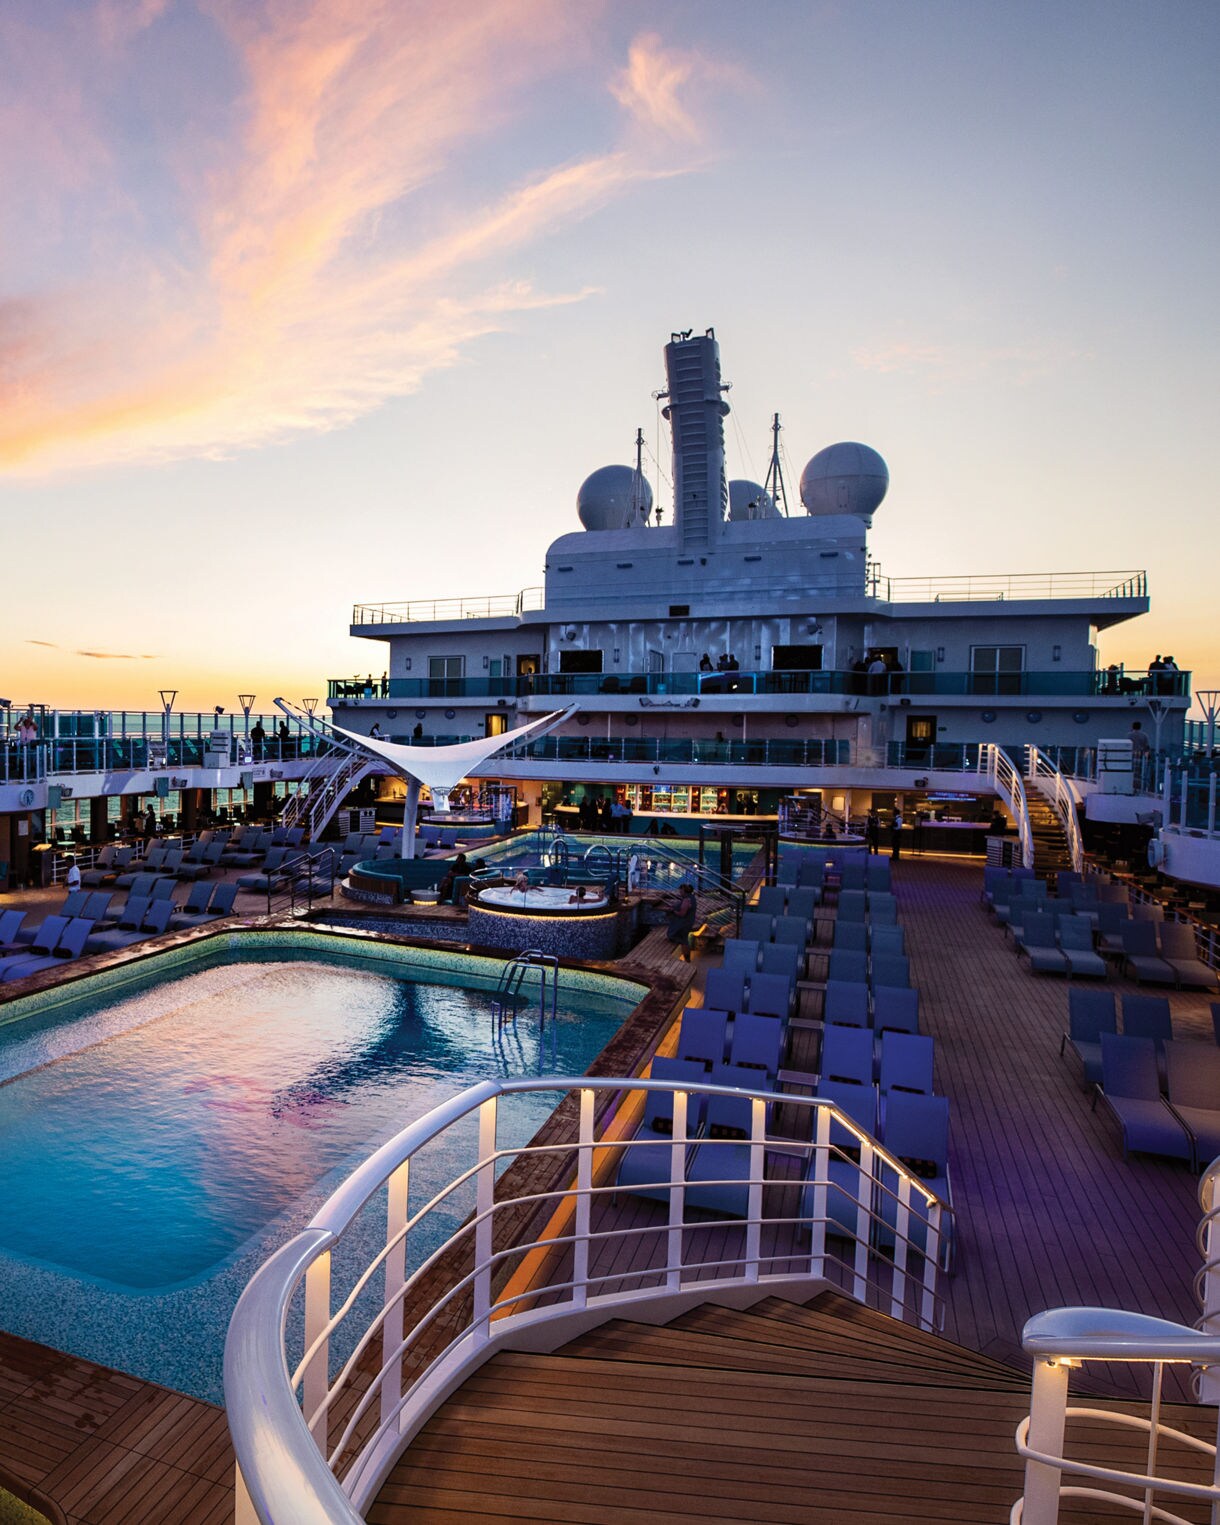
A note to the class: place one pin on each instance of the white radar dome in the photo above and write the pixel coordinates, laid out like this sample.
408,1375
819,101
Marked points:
845,479
750,500
614,498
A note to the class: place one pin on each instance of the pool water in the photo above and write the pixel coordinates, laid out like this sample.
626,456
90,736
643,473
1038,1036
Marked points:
159,1145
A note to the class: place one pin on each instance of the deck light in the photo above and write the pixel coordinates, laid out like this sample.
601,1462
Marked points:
310,705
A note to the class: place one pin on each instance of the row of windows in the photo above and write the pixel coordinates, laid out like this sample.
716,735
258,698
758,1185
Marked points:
983,659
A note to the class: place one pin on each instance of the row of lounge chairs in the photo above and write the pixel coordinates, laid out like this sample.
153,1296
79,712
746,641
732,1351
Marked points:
874,1064
86,923
1185,1124
1074,933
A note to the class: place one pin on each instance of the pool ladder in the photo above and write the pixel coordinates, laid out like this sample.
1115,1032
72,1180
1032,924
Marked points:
511,991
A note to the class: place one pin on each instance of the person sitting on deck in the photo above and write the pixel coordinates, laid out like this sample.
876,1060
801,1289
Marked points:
458,869
680,921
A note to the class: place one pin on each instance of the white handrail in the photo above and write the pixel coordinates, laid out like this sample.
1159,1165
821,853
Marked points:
998,767
1067,1337
1051,784
291,1449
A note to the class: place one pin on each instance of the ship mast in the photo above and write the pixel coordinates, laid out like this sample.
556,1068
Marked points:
775,472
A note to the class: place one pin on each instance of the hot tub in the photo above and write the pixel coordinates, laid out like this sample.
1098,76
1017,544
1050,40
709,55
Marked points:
546,918
541,900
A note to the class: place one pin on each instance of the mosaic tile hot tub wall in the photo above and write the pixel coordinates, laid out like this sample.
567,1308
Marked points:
595,936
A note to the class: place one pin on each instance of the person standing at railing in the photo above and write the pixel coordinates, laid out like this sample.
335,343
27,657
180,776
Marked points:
258,739
896,836
872,830
680,920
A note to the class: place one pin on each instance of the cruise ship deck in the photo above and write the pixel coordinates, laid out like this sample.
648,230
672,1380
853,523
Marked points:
1048,1214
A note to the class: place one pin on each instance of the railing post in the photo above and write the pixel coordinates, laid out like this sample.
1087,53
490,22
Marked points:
864,1221
821,1176
754,1199
1211,805
485,1197
902,1234
584,1202
1047,1418
395,1278
931,1267
315,1380
677,1194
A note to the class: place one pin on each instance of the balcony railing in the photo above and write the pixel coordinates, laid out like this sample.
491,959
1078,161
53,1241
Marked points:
1113,683
503,606
1009,587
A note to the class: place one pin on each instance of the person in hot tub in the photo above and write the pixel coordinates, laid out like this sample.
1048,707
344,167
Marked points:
521,883
579,895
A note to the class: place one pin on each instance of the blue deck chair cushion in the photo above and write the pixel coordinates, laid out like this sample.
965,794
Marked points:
1090,1013
846,1003
757,1043
847,1054
702,1037
1194,1096
725,990
1131,1088
770,995
895,1009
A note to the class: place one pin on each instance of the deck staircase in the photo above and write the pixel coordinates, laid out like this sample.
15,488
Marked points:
827,1411
1051,849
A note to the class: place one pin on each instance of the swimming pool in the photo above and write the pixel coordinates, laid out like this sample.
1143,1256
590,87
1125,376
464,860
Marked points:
662,863
162,1132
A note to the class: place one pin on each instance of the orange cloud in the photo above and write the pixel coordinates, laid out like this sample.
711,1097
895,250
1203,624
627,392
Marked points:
325,260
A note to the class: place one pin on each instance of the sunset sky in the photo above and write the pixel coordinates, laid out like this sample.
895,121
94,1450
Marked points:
310,302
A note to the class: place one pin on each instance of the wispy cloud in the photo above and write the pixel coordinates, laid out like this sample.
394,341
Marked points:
322,257
31,642
120,656
959,364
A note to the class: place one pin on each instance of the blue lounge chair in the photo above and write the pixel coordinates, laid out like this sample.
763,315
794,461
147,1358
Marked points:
1141,955
851,936
43,942
702,1037
1036,939
221,904
758,1043
848,1197
1180,951
10,925
853,905
886,940
725,990
645,1167
1194,1097
755,927
772,900
718,1176
48,952
793,930
917,1132
906,1063
770,995
846,1003
851,967
1131,1089
1148,1016
740,954
847,1054
803,901
895,1009
892,969
1076,944
1090,1013
782,958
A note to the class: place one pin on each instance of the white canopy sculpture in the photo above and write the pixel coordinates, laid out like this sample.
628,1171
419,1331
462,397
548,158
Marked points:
443,768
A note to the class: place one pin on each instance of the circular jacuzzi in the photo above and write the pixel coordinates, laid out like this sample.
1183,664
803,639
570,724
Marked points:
546,917
541,900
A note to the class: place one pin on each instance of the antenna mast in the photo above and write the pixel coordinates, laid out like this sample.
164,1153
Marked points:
638,514
775,472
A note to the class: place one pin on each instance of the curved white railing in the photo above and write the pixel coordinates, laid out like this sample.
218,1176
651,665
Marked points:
1066,1338
317,1432
1005,779
1054,788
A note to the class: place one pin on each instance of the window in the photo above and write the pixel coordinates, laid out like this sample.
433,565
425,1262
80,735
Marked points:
996,669
580,661
445,676
796,658
495,724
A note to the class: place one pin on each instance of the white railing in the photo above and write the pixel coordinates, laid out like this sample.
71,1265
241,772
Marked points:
313,1447
1053,787
1066,1338
996,765
328,781
1207,1278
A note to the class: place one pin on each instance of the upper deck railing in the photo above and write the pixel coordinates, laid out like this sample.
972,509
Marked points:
1113,683
495,607
1008,586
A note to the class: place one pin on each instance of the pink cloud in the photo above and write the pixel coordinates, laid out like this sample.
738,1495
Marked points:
300,289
